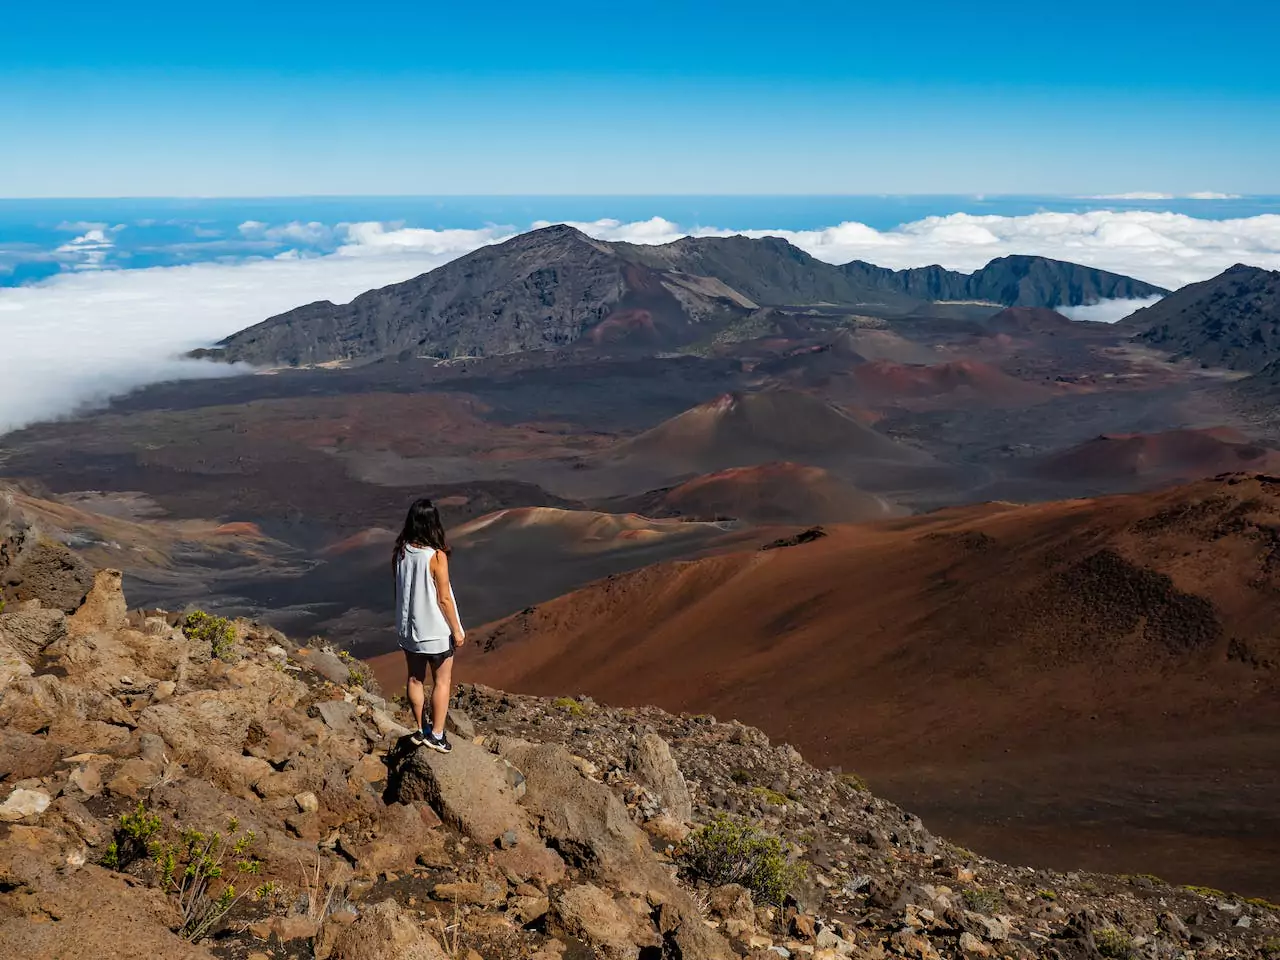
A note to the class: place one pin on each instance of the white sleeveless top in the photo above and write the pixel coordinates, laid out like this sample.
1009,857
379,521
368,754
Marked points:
419,620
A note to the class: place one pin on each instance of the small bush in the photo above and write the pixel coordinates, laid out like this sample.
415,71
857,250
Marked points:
1049,895
981,900
193,870
357,673
1113,944
771,796
732,851
1206,891
218,632
740,776
855,781
569,705
133,838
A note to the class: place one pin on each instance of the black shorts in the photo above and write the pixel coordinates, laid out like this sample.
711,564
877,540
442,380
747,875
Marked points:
436,659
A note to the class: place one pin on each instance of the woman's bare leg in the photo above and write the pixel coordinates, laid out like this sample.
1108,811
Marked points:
441,677
416,666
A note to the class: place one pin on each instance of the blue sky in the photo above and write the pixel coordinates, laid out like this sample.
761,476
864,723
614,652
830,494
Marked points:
263,99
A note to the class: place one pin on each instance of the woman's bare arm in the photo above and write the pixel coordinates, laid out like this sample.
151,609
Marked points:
444,596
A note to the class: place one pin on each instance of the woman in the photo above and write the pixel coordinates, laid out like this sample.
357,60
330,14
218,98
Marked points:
426,619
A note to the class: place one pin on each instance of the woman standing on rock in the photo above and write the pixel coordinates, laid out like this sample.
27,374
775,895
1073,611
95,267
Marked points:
426,619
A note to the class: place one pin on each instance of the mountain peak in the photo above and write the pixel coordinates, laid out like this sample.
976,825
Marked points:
1231,320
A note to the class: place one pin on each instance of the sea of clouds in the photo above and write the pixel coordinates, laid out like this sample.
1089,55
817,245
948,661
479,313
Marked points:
94,330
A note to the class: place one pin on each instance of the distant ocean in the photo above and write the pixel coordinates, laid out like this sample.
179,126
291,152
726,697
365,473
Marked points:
40,238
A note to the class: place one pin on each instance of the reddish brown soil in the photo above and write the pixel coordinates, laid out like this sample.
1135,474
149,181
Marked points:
1175,454
770,493
1092,630
973,380
747,429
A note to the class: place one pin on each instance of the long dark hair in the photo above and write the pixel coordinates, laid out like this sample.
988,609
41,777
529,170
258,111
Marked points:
422,528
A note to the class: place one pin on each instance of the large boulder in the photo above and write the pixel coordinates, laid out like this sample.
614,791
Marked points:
590,914
25,755
29,631
583,819
65,910
586,822
382,932
33,567
686,937
104,609
470,790
653,766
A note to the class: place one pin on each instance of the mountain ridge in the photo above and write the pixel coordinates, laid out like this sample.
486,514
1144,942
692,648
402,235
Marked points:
554,287
1016,280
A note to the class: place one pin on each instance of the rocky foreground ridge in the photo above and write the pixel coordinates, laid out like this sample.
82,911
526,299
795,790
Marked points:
184,787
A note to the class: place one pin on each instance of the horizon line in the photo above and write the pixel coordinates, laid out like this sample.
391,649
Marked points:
1123,197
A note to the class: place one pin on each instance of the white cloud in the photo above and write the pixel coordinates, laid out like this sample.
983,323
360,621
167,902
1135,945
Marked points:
1168,249
375,239
1107,311
312,233
80,336
1136,195
80,226
1142,195
87,251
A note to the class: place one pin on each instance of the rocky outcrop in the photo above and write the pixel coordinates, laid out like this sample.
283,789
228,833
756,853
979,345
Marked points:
1230,321
34,567
653,766
132,759
474,793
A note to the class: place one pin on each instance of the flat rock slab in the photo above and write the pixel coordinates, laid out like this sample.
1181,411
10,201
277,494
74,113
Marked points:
339,716
24,803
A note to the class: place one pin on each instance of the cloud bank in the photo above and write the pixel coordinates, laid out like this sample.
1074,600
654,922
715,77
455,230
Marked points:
1146,195
1107,311
89,333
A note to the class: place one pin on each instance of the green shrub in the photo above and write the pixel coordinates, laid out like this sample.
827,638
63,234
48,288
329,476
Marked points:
1206,891
569,705
193,870
771,796
1049,895
218,632
133,838
1113,944
733,851
740,776
855,781
981,900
